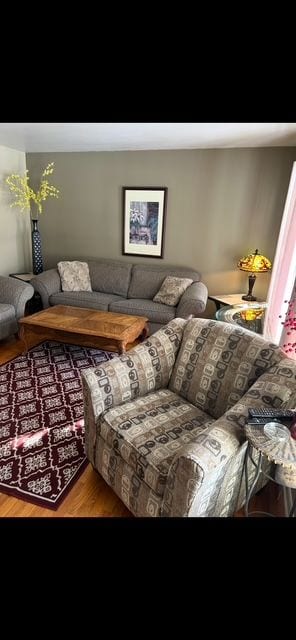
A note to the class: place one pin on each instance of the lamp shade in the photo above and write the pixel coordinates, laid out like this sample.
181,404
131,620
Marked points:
255,263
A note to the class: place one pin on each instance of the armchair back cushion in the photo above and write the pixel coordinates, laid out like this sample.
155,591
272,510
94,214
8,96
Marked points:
218,362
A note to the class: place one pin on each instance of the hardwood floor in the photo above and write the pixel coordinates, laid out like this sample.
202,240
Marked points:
91,497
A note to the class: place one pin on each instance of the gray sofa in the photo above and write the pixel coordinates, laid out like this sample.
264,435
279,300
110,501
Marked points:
123,287
13,297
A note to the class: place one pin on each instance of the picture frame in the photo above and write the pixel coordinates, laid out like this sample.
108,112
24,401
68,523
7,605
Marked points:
144,212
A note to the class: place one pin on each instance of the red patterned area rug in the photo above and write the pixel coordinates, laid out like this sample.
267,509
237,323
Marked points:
41,421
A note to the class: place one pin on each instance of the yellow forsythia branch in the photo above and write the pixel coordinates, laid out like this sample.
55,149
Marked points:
23,193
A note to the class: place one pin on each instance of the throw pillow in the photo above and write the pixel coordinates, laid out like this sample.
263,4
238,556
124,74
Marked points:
74,276
171,290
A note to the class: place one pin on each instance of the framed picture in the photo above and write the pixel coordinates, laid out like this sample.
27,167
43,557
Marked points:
143,221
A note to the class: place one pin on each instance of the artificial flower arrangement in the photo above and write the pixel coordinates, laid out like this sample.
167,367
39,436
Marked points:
290,323
23,193
290,346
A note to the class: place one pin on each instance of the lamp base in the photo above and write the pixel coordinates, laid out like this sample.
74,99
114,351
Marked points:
249,295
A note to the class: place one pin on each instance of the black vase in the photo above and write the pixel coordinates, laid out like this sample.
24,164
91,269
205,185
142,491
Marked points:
36,249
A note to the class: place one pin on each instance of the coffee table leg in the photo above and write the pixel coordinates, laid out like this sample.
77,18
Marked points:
122,344
145,333
22,336
121,347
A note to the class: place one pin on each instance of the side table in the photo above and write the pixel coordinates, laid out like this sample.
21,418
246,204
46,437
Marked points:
226,299
221,299
26,277
35,304
274,442
247,314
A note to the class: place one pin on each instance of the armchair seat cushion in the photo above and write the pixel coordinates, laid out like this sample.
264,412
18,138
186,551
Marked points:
148,432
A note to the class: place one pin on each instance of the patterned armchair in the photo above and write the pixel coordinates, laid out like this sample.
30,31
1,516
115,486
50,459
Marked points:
164,423
13,297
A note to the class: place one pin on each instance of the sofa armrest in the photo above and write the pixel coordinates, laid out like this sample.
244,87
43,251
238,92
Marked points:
145,368
200,475
15,292
193,300
46,284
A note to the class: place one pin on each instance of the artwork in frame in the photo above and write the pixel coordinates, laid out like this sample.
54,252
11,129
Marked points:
144,211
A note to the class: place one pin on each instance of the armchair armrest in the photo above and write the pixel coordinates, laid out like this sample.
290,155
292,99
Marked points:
204,478
15,292
46,284
195,476
145,368
193,300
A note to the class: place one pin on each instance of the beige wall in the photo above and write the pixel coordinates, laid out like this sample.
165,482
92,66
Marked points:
222,204
15,238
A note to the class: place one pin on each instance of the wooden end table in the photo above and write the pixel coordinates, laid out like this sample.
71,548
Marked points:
25,277
222,299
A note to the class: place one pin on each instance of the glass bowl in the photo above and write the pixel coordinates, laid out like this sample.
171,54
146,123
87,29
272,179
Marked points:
276,431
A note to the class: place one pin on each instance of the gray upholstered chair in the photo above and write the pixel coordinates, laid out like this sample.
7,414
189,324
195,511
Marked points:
165,422
13,297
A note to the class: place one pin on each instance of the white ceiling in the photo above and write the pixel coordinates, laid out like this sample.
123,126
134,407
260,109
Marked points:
117,136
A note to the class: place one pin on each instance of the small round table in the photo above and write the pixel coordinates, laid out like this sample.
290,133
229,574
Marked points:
277,445
249,315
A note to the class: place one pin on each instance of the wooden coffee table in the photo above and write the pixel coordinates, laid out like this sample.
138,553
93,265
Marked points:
86,327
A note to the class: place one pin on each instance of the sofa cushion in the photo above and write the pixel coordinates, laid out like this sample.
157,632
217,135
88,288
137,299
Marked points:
110,276
149,431
147,279
215,368
171,290
87,299
74,275
152,310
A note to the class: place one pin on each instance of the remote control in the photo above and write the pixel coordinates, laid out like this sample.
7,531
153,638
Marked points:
264,412
260,421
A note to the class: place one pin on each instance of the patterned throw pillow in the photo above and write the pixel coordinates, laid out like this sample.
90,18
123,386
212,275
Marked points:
171,290
74,276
